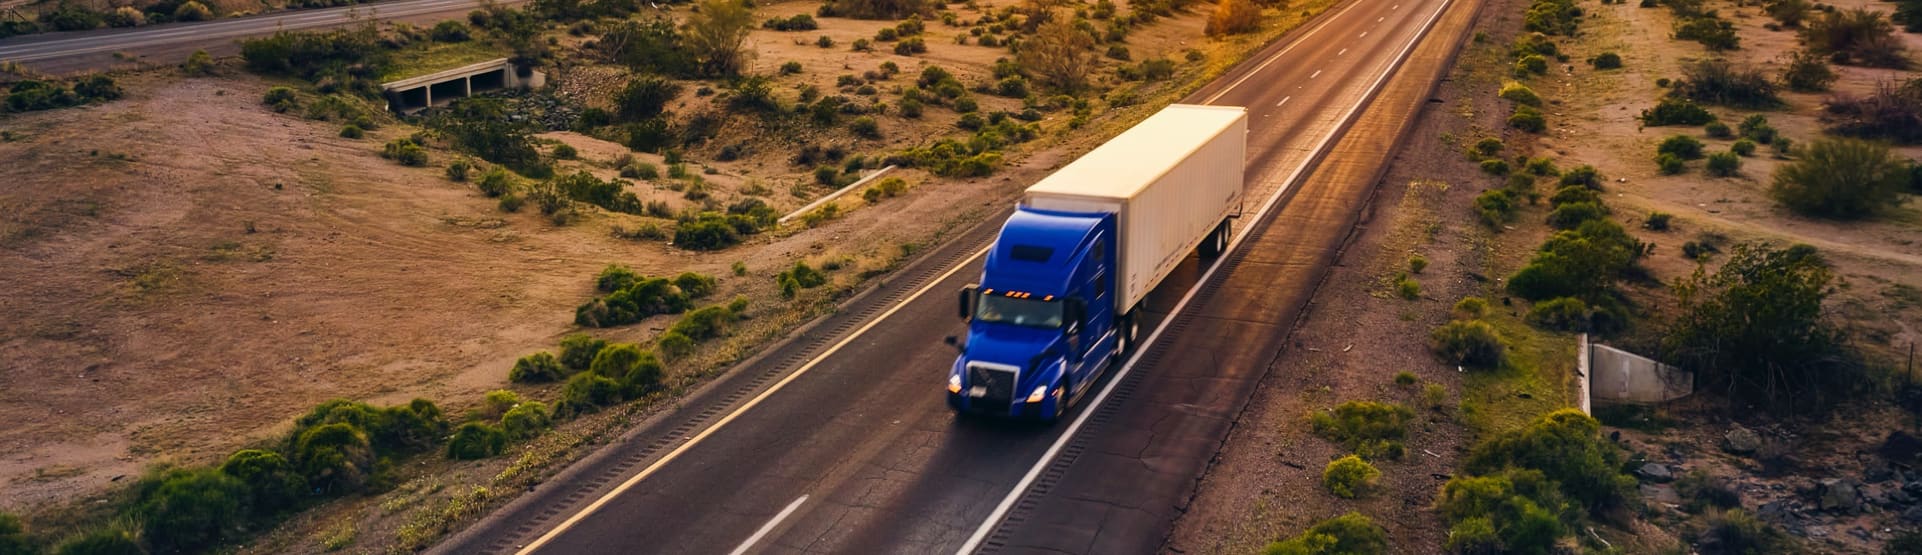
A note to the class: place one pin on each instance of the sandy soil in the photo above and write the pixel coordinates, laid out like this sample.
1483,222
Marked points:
1875,257
188,270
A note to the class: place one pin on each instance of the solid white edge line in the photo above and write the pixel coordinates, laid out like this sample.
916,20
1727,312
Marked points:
1271,59
769,527
691,442
987,525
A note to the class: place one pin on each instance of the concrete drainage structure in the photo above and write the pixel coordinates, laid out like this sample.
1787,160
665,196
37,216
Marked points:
439,88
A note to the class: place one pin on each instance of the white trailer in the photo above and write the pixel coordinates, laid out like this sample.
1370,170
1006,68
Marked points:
1171,181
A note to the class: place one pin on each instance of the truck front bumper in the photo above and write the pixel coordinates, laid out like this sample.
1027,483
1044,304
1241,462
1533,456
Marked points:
1019,408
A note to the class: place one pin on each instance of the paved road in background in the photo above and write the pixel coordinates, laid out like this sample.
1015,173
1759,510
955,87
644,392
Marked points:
841,441
171,43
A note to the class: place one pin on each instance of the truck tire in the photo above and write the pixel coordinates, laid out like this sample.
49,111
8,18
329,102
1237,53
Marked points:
1216,242
1129,331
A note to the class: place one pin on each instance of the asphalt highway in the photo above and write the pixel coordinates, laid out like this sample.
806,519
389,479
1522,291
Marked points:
840,440
171,43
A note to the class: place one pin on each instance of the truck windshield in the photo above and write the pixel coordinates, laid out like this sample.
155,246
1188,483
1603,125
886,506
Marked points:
1020,312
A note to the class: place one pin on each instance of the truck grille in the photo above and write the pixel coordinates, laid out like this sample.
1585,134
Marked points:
998,385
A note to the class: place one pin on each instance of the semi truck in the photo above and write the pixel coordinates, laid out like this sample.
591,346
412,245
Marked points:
1059,300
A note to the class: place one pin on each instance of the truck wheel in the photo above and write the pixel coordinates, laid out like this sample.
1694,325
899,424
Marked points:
1216,243
1130,328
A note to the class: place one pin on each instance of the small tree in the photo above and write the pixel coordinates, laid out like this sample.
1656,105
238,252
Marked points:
1754,330
714,34
1060,55
1233,17
1840,178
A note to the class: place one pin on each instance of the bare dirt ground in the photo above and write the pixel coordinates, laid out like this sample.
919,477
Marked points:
1878,258
1357,335
187,269
1266,483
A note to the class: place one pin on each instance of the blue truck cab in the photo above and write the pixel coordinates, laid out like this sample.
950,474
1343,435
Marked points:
1042,322
1059,298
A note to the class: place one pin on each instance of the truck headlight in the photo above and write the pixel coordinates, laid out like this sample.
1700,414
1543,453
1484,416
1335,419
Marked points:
1039,394
954,383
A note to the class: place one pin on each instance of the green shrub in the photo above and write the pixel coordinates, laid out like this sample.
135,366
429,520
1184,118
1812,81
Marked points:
1417,263
273,485
578,351
352,132
865,127
706,234
1808,72
1487,147
704,323
1742,147
1408,289
1562,314
405,151
1349,477
1675,111
335,458
1524,503
1756,331
1495,166
1757,127
188,509
1531,63
1584,175
457,170
674,344
1657,221
1349,534
1496,207
1369,429
1714,33
1718,82
615,277
565,152
526,420
1840,179
1573,194
1474,535
1519,93
495,182
1543,167
1735,531
587,392
1567,447
1469,308
1405,378
1468,342
1857,36
281,99
1724,164
1718,130
476,440
1528,119
616,360
1580,263
1682,146
1670,164
1607,60
1574,214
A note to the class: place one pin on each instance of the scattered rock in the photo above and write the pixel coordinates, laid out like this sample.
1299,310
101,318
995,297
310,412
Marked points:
1914,514
1741,441
1774,511
1901,447
1860,532
1655,472
1877,471
1660,494
1839,495
1913,488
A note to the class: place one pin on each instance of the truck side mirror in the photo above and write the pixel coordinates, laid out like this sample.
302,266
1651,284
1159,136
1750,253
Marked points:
967,299
1076,312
